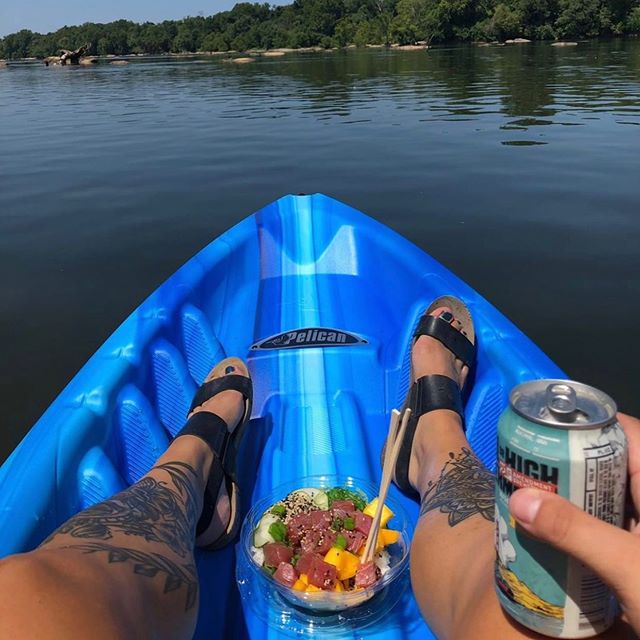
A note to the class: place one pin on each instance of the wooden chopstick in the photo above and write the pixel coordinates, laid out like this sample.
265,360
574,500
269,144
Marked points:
394,423
394,441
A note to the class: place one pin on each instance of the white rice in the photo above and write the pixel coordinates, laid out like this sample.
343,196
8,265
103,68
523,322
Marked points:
257,553
383,561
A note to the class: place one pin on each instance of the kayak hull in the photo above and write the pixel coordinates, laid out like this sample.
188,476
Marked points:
301,264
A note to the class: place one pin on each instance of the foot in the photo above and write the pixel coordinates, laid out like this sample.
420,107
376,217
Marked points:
430,356
230,406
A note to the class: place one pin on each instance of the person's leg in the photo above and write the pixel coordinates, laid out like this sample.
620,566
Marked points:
453,552
123,568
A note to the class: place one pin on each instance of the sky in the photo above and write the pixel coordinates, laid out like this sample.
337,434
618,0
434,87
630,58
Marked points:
44,16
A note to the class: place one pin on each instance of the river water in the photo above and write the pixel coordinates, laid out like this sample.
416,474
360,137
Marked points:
518,167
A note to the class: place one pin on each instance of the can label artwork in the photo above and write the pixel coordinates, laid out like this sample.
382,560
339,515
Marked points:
579,453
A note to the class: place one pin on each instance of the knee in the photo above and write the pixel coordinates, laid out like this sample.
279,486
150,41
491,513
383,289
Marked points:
17,569
21,583
42,598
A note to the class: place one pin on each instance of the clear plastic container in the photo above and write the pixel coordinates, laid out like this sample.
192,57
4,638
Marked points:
364,604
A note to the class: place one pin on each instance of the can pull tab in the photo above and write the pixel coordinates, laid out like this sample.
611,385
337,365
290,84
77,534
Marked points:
562,402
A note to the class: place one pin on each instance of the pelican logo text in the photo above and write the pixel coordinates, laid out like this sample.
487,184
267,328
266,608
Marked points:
310,337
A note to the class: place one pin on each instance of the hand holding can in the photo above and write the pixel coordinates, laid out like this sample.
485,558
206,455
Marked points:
612,553
557,438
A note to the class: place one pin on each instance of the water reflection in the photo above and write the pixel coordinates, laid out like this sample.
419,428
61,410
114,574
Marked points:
514,166
457,84
528,86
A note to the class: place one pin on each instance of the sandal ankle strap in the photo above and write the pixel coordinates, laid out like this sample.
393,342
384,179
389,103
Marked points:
433,392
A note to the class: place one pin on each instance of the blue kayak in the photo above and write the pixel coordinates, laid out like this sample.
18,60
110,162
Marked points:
321,301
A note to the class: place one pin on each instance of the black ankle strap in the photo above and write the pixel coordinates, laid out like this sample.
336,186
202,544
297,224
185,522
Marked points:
434,392
210,428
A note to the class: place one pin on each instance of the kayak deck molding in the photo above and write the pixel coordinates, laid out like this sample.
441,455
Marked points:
300,262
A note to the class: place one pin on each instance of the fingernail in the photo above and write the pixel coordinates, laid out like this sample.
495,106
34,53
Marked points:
229,369
524,505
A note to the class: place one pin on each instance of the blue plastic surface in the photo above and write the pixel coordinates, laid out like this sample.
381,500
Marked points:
302,261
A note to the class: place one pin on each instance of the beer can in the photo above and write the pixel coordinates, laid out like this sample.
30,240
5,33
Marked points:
563,437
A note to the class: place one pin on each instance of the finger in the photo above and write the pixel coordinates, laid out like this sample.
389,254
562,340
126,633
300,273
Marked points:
566,527
634,490
631,427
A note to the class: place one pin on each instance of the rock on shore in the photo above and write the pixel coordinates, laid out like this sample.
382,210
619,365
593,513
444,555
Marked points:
411,47
564,44
239,60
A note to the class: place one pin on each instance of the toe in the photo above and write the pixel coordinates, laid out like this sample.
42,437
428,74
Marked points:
228,366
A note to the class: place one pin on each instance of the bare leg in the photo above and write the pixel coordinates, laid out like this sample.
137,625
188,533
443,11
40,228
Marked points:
125,567
452,554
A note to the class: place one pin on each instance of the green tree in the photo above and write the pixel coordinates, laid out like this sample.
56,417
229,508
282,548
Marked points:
184,40
505,23
578,19
16,45
632,24
411,22
215,42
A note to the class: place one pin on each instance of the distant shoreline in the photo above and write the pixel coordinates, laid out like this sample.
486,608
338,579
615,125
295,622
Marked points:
283,51
257,53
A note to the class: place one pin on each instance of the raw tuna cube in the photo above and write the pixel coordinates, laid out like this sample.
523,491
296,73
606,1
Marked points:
339,513
355,539
366,575
317,541
363,522
319,519
275,553
325,541
286,574
322,574
305,561
297,527
345,505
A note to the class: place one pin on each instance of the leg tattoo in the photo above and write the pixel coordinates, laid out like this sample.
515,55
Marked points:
149,565
157,511
149,509
465,487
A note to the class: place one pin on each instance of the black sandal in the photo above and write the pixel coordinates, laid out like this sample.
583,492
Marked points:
432,392
214,431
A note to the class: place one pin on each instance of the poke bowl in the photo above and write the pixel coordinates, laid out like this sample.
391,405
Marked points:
305,541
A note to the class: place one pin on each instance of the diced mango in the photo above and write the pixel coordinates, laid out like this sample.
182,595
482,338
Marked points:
349,564
338,586
311,588
344,561
333,556
370,510
304,578
386,537
298,585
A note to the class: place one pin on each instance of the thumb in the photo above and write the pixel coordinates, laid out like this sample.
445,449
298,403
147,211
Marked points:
610,552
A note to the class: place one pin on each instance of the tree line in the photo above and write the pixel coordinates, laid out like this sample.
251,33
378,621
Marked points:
338,23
